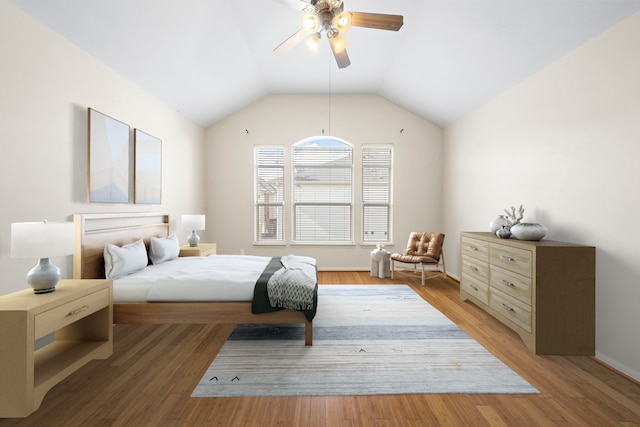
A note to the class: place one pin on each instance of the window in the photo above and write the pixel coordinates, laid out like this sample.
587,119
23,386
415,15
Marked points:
376,193
322,191
269,193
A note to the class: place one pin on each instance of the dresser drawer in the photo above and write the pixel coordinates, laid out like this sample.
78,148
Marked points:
70,312
475,248
475,288
512,259
475,268
512,308
510,283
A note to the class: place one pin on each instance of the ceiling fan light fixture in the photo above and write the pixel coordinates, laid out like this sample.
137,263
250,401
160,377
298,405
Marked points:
338,43
342,22
312,42
310,23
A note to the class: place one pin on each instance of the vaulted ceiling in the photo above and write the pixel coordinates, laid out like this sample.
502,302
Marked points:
210,58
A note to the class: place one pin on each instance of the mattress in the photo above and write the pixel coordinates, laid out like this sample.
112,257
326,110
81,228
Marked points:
188,279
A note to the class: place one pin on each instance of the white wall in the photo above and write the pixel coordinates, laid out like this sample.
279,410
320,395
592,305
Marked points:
565,143
287,119
46,86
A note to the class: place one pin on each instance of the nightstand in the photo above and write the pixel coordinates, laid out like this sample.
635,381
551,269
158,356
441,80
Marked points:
203,249
79,313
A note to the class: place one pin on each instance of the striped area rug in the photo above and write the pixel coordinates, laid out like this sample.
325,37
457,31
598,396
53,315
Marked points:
368,340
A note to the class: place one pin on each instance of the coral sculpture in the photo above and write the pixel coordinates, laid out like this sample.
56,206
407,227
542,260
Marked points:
512,217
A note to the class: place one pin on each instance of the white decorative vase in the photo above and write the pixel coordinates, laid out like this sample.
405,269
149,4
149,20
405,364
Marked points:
528,231
503,232
497,223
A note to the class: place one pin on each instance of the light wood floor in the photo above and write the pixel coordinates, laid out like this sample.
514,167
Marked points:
148,380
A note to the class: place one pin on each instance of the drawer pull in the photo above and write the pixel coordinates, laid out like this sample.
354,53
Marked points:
473,248
507,307
508,283
78,310
474,288
507,258
473,268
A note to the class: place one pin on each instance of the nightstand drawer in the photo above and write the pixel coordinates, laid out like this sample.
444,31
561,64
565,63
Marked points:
70,312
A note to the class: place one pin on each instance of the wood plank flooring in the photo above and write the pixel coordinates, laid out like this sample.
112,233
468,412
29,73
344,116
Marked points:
154,368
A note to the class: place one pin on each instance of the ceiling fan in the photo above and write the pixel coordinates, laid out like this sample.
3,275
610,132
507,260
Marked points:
329,16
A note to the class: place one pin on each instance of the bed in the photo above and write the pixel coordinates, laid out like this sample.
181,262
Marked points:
94,231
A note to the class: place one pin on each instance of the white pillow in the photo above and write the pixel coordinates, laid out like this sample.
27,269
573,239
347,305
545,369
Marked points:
164,249
120,261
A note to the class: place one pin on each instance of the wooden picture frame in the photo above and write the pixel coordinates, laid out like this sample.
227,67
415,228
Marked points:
147,173
108,159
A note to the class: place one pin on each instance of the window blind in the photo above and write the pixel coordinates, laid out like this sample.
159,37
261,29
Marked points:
269,194
376,193
323,192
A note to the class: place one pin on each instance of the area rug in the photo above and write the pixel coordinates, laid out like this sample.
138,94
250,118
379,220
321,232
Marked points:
368,340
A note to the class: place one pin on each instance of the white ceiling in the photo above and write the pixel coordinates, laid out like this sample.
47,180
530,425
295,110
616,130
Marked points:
210,58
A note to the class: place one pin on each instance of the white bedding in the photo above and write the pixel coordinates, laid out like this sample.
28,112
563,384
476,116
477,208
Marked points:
212,278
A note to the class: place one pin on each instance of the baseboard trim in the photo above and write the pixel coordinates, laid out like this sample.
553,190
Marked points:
617,367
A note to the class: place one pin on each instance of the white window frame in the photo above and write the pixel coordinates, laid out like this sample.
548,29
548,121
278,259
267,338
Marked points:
377,195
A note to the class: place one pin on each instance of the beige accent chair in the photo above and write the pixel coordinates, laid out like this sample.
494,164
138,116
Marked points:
423,248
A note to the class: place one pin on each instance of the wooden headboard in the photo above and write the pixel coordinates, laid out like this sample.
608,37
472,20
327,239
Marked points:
95,230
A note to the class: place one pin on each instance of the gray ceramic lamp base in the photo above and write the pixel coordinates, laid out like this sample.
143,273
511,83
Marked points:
43,277
193,239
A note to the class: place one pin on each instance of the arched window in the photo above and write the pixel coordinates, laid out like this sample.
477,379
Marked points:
322,191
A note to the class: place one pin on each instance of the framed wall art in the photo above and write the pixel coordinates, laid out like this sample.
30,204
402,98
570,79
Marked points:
108,172
148,168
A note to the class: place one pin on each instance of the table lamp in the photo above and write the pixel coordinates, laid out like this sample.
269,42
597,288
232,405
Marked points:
193,223
42,240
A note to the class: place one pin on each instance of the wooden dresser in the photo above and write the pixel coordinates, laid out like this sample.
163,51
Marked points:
544,290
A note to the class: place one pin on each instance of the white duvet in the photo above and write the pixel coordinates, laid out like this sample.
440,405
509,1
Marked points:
212,278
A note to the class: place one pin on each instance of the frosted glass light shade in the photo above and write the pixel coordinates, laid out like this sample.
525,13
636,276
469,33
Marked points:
313,42
310,23
342,22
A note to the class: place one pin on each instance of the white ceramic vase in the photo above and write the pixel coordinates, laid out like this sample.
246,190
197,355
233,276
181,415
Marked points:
528,231
503,232
497,223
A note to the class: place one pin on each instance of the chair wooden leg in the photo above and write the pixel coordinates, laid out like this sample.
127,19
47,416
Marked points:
422,266
392,269
444,269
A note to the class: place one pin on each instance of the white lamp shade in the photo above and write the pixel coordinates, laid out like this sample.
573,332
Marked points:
42,239
193,222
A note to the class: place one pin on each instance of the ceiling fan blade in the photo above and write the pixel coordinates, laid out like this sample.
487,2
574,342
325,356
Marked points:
379,21
342,59
289,43
296,4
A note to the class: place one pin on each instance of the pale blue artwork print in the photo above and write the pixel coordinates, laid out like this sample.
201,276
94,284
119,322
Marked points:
108,159
148,168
